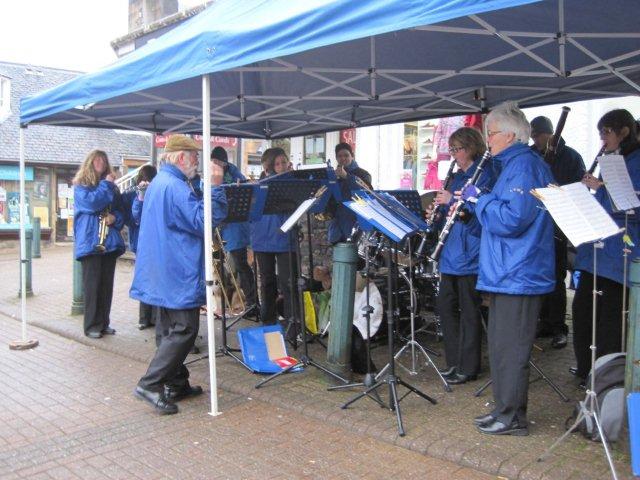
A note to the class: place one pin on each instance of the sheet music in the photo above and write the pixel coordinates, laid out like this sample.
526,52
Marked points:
373,216
295,216
577,213
618,182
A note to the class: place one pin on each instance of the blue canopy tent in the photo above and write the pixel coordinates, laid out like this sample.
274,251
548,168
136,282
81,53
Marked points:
280,68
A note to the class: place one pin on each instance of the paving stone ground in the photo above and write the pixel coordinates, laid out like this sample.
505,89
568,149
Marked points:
443,431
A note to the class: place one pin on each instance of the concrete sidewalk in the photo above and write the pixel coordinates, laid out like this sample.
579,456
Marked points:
441,431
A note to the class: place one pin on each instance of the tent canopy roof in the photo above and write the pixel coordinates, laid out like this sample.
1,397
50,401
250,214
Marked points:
280,68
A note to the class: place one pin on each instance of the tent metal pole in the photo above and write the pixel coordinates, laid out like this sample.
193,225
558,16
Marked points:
208,231
23,343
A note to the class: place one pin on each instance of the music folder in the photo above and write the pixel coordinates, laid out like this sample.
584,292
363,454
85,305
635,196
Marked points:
577,213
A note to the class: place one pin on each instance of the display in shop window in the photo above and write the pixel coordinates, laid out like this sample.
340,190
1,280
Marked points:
13,209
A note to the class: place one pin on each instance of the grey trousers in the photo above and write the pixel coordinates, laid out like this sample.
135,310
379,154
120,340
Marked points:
512,331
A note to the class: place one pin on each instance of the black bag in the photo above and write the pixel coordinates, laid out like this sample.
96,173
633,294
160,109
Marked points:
609,389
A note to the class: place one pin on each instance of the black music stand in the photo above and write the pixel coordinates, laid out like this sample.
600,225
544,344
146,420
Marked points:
384,219
299,193
240,201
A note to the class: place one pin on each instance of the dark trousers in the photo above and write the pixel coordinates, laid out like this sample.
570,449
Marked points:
245,274
512,330
608,320
459,307
554,305
270,283
146,315
97,284
179,331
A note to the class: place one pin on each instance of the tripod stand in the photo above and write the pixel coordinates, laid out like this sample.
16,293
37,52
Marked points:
412,344
368,380
390,377
305,359
589,408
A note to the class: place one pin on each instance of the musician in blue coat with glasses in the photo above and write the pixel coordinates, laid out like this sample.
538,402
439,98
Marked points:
458,300
170,269
516,266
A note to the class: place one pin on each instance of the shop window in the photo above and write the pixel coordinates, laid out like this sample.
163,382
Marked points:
314,149
5,98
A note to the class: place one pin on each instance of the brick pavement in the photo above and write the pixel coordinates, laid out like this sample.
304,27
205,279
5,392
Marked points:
68,412
443,431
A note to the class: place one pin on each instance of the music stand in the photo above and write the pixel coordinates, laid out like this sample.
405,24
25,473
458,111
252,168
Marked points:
240,201
296,190
383,215
583,220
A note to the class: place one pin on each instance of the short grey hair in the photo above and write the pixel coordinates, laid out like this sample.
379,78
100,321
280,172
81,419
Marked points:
509,118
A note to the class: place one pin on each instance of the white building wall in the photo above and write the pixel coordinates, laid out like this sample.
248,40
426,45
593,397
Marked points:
379,151
297,150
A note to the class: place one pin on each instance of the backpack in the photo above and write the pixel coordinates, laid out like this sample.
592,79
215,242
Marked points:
609,389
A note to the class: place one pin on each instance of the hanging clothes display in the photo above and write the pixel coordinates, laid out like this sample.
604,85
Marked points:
444,129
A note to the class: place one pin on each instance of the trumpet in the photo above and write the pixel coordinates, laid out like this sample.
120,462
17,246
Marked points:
218,253
103,230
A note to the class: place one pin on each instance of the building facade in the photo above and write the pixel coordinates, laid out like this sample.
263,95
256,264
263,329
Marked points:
52,156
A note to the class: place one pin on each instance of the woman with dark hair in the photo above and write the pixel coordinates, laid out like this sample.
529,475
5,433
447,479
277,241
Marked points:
96,201
458,300
133,202
618,132
272,249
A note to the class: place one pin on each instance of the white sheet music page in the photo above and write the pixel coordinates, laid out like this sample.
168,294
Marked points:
295,216
577,213
618,182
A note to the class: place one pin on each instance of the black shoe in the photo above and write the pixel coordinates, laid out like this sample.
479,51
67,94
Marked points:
93,334
484,419
157,399
187,391
142,326
559,341
108,331
447,372
573,371
460,378
498,428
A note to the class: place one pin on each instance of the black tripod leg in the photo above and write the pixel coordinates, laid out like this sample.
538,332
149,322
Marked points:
482,388
549,381
325,370
276,375
416,391
366,393
394,404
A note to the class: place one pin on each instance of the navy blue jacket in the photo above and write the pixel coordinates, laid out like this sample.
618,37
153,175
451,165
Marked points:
88,203
235,235
609,263
516,246
567,165
133,226
344,219
170,259
462,248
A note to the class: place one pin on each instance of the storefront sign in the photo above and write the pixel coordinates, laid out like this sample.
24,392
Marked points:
349,136
226,142
12,172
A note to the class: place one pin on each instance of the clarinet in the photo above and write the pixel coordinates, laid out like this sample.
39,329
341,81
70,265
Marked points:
432,218
435,255
594,164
